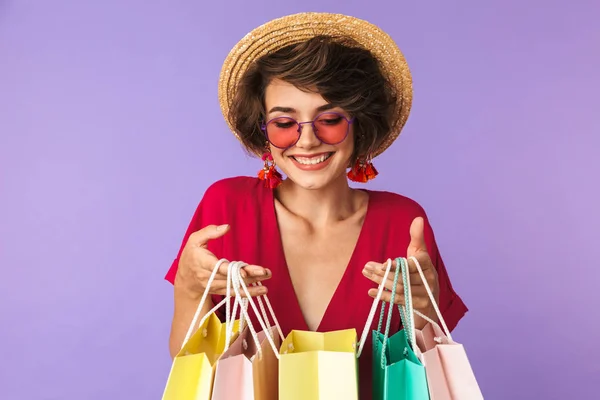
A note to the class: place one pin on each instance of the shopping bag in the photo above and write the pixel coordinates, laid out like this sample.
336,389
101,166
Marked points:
245,371
449,373
192,371
318,366
248,369
398,373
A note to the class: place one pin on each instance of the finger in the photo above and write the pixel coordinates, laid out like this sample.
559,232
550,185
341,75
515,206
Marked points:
388,284
200,238
254,271
387,296
220,283
418,291
419,301
417,237
426,267
417,288
252,290
379,269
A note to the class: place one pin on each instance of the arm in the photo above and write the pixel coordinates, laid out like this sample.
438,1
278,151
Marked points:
200,251
194,262
423,247
193,268
449,302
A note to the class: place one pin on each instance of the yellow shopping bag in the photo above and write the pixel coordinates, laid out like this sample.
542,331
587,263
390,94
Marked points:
318,366
192,372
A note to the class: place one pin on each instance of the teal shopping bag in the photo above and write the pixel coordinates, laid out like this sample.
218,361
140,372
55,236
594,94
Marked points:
398,374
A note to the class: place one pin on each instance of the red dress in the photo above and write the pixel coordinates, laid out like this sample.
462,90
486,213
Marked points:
248,207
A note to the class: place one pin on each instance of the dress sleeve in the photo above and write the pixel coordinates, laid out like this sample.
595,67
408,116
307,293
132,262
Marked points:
210,211
451,305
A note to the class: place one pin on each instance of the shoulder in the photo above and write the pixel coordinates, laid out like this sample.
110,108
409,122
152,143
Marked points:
235,184
232,188
226,200
394,203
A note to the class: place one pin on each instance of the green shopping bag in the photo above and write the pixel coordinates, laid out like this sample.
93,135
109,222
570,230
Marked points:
398,374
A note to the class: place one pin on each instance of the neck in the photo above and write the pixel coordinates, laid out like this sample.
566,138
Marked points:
333,203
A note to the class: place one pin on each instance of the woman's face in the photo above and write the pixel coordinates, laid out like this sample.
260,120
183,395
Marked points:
309,163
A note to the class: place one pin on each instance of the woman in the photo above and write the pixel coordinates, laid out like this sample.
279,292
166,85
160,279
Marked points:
313,94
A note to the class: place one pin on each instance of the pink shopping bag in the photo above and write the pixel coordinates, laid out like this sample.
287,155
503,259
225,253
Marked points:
449,372
246,372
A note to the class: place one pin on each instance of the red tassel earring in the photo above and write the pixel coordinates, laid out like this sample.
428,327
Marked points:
271,177
362,171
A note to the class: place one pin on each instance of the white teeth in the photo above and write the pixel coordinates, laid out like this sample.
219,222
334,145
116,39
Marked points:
312,160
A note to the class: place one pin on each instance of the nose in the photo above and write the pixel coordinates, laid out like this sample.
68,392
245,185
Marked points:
308,139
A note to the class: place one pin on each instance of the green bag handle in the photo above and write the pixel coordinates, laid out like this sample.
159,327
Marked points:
408,310
389,318
405,312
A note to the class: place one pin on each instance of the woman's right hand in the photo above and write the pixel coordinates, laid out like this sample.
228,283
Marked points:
196,264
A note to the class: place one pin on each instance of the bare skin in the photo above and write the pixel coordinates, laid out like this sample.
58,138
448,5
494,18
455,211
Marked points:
318,246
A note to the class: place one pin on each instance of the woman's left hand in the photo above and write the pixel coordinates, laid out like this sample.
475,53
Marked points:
417,248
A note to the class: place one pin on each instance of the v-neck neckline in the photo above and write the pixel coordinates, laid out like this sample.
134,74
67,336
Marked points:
287,278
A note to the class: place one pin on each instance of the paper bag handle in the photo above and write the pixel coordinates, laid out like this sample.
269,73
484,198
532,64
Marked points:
432,299
407,311
367,328
202,301
271,311
230,314
244,303
391,309
238,282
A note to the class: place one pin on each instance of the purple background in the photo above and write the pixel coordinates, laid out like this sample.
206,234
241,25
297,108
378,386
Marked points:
110,132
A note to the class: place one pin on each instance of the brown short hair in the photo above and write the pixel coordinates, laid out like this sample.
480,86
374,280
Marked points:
346,75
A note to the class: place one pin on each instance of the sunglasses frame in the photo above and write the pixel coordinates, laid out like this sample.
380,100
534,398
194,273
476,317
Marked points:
263,127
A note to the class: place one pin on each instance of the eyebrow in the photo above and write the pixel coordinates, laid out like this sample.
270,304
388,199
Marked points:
324,107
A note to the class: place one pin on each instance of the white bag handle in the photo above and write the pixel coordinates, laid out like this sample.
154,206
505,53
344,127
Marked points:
264,313
433,302
202,301
242,302
238,282
367,328
230,314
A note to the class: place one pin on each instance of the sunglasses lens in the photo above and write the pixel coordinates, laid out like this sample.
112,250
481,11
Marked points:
331,128
282,132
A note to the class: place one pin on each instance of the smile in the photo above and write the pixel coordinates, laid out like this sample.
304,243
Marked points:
318,159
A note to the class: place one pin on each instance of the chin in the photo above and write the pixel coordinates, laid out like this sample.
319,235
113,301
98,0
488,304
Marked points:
310,180
309,183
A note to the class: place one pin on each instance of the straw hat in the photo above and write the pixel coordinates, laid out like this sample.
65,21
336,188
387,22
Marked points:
296,28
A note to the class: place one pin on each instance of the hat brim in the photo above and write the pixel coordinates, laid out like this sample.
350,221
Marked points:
296,28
